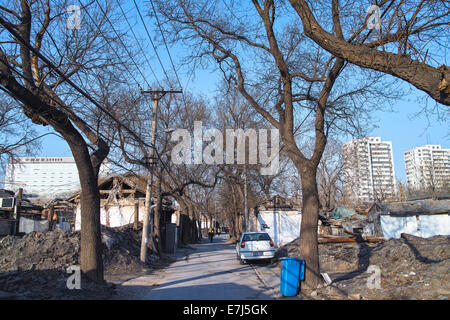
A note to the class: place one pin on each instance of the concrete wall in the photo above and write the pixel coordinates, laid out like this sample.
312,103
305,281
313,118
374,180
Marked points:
115,214
30,225
422,225
284,226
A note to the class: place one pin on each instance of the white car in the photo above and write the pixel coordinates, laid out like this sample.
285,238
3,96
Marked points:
255,246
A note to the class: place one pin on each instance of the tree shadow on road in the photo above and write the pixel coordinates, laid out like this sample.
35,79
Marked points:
219,291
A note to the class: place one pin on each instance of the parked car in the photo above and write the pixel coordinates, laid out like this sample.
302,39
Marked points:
255,246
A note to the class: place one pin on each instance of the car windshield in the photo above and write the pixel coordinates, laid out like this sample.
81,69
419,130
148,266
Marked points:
256,237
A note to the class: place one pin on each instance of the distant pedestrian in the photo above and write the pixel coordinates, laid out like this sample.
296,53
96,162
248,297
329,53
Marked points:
210,234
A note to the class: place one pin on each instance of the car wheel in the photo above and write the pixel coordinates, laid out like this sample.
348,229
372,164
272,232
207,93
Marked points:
241,261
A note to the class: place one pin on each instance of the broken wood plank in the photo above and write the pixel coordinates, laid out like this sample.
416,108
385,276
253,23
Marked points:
337,239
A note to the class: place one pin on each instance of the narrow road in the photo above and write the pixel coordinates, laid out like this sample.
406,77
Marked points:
211,272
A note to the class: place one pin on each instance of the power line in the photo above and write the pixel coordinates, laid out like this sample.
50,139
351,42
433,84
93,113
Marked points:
151,41
123,44
19,38
65,108
93,129
232,13
168,52
112,48
165,43
138,42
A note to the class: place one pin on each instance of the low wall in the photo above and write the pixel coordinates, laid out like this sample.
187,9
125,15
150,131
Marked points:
30,225
115,214
284,226
424,226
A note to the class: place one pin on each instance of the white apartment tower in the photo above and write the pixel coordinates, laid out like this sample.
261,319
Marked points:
369,170
428,167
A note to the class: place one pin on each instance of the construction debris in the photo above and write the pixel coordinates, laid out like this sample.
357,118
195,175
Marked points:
409,268
35,266
352,238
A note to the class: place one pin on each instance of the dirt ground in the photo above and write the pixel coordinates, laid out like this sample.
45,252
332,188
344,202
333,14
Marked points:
409,268
35,266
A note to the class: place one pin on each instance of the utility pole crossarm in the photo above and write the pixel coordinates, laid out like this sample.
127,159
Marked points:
159,93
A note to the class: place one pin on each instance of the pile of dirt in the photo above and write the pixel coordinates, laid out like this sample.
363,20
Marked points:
409,268
35,265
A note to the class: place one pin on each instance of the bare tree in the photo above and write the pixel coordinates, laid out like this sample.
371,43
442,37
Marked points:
428,180
186,183
34,34
401,191
411,34
330,174
17,134
283,76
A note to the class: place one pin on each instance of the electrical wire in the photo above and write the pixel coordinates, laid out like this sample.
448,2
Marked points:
100,134
168,51
67,109
112,48
19,38
123,44
138,42
151,41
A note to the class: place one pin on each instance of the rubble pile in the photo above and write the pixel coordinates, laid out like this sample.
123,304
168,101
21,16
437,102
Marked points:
35,265
410,268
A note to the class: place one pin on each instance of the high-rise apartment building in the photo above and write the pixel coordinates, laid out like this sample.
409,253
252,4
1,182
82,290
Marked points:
428,168
369,170
45,176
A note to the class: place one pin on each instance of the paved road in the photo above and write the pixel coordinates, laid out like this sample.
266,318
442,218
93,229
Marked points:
209,272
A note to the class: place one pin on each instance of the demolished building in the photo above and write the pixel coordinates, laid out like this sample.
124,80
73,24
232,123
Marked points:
19,215
422,218
122,201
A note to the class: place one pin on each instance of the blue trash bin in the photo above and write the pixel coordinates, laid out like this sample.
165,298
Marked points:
292,271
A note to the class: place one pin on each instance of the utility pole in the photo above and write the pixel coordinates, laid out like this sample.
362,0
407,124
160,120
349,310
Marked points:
147,221
246,217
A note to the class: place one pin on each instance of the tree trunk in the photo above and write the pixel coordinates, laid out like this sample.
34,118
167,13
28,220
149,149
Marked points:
191,223
91,242
183,221
157,218
199,228
184,229
36,105
236,230
195,231
309,248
